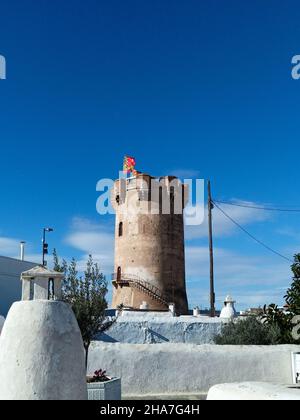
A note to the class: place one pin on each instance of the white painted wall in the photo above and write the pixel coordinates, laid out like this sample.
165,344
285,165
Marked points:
41,353
253,391
187,368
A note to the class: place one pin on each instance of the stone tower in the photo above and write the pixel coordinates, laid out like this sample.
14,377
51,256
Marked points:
149,243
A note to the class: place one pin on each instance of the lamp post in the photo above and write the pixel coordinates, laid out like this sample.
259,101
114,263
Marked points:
45,245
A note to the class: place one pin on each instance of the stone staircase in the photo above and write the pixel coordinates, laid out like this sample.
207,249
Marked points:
134,281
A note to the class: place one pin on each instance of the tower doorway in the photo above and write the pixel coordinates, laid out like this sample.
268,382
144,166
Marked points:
119,274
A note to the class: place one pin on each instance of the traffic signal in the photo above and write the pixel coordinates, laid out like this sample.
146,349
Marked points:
45,248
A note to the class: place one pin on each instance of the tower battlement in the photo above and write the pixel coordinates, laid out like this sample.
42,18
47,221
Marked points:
166,194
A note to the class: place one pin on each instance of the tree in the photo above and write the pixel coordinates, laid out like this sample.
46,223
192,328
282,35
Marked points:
275,317
293,294
87,296
57,266
285,321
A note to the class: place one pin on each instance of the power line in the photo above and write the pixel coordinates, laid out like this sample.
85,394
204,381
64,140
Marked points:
250,206
251,236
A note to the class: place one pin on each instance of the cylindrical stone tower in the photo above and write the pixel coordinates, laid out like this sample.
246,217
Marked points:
149,243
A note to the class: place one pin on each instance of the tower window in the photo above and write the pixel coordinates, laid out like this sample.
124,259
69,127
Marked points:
121,229
160,200
31,290
172,200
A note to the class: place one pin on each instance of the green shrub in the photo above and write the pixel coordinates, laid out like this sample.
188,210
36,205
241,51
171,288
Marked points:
275,317
293,294
274,326
248,331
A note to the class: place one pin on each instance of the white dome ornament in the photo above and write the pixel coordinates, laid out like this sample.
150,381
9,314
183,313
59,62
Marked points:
41,348
228,311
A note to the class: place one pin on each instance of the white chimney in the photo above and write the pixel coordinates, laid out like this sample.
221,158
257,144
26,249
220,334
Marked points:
228,312
22,246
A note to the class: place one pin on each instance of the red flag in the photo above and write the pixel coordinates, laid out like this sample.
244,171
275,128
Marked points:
129,164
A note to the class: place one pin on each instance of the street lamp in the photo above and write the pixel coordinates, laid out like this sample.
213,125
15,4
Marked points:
45,245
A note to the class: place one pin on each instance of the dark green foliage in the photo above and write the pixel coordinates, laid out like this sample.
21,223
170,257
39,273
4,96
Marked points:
293,294
87,297
284,321
273,316
248,331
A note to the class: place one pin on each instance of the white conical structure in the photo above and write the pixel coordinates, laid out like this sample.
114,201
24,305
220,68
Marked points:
228,312
41,348
2,320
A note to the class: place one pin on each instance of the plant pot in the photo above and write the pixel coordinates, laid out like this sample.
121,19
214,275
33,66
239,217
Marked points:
109,390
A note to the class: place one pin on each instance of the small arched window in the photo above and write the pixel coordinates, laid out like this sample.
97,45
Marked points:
121,229
51,289
31,289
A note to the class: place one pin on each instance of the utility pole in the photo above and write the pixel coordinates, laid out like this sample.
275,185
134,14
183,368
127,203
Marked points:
210,206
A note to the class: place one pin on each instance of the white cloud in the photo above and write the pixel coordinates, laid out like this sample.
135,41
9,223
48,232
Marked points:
222,226
9,246
238,270
90,242
95,239
252,281
84,224
244,298
259,298
289,232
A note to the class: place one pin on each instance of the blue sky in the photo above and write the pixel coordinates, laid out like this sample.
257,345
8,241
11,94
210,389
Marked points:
201,88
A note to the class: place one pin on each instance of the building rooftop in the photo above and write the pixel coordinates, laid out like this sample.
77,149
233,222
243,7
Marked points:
40,271
10,285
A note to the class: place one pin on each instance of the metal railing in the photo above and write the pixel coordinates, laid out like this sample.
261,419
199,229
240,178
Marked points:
139,283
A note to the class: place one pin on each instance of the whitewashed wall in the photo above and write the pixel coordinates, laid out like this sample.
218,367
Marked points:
163,329
10,284
188,368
